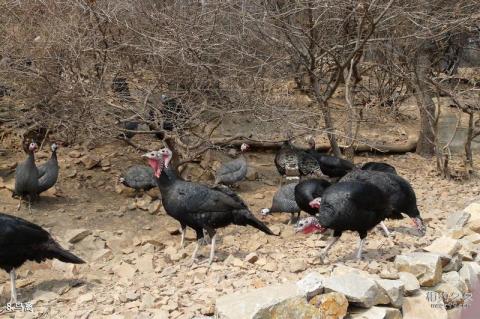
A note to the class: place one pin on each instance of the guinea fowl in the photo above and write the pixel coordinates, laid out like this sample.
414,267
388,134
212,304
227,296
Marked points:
353,205
284,202
198,206
26,177
48,172
307,190
138,177
331,166
398,191
21,240
233,171
379,167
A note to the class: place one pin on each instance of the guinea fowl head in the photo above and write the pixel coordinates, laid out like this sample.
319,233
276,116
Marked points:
315,203
244,147
32,147
309,225
155,160
54,147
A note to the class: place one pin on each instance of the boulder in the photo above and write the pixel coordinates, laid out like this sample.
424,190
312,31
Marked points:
444,246
427,267
474,210
453,278
473,238
375,313
410,282
332,304
292,308
247,305
470,273
457,220
468,251
359,290
311,285
451,295
454,264
425,306
395,289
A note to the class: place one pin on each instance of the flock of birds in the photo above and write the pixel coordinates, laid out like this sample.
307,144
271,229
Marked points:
336,194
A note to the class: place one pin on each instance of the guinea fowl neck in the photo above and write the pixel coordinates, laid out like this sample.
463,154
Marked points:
54,155
31,158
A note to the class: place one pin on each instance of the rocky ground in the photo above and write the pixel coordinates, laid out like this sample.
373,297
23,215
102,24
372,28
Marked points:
136,268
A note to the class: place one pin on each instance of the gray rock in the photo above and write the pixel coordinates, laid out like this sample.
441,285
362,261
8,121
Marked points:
427,267
291,308
247,305
470,273
444,246
450,295
424,306
375,313
453,278
361,291
457,220
311,285
411,284
395,289
454,264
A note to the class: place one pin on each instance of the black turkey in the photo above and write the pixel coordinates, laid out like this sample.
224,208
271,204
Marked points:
198,206
26,177
48,172
353,205
233,171
331,166
139,177
379,167
399,193
308,190
21,240
284,202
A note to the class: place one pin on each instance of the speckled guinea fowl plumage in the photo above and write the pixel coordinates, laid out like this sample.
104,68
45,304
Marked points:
21,240
283,201
26,175
199,206
48,172
233,171
139,177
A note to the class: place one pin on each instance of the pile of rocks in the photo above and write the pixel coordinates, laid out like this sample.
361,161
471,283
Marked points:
436,282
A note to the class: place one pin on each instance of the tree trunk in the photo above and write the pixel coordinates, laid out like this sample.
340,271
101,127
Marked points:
330,129
424,96
468,145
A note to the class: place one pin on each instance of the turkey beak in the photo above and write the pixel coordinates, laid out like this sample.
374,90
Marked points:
419,224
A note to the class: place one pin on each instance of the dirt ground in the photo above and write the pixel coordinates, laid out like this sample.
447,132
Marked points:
136,268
